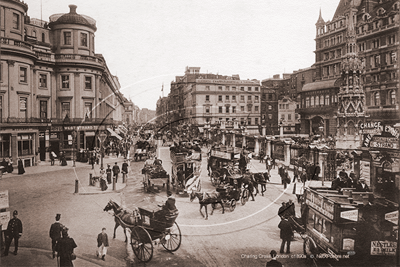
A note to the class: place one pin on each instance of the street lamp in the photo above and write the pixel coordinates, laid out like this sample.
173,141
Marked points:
73,146
102,138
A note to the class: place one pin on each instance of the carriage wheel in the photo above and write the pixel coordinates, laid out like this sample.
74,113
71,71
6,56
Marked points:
172,239
245,197
309,250
142,244
232,205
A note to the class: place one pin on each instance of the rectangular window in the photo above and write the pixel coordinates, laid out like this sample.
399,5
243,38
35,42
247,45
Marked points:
233,88
227,88
242,108
256,98
248,108
207,87
226,109
393,57
65,81
270,116
23,72
88,82
241,88
67,38
249,98
233,98
84,39
15,21
289,117
22,103
249,89
227,97
207,98
248,121
88,110
233,109
219,109
219,87
242,98
25,144
282,116
43,80
65,109
256,108
207,110
256,121
43,109
220,98
256,89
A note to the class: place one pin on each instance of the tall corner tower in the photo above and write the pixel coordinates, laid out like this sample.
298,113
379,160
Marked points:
351,97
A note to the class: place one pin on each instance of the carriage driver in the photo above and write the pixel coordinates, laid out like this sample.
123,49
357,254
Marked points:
169,206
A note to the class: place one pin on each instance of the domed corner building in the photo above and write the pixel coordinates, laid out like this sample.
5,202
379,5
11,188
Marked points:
56,93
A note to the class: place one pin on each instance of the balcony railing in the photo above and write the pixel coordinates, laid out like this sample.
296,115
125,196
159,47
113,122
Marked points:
14,42
78,57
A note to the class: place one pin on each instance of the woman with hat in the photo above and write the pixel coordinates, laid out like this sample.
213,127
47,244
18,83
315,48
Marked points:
65,249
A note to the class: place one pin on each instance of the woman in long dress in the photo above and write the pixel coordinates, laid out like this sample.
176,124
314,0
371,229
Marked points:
21,169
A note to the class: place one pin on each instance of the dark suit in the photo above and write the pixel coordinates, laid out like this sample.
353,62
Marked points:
170,204
360,188
286,234
65,247
125,167
14,229
55,234
102,239
116,170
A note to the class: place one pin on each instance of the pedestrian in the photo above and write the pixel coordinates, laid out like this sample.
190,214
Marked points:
296,174
52,158
303,176
21,169
242,163
102,244
286,234
55,233
273,162
14,231
361,186
108,172
316,170
273,262
282,210
63,160
92,160
125,167
291,208
116,170
261,156
157,161
65,249
268,164
10,167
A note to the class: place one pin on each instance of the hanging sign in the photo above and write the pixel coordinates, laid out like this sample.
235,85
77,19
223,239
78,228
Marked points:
351,215
392,217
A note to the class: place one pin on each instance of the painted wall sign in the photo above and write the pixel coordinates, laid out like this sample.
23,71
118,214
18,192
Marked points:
320,204
383,248
373,131
384,142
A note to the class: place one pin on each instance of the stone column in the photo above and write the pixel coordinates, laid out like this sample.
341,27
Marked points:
244,141
287,154
281,131
233,140
14,147
257,147
268,148
264,130
47,144
223,138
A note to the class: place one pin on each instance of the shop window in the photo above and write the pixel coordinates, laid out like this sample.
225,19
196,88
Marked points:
23,74
5,145
43,80
43,109
65,81
67,38
84,39
88,82
15,21
65,109
25,144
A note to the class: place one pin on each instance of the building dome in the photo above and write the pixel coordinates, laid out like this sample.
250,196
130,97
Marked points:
72,18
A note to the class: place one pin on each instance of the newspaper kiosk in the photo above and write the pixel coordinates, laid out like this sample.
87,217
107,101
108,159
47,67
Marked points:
353,228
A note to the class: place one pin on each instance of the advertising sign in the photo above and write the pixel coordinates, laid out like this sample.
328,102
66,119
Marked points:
4,203
377,135
351,215
392,217
383,248
4,218
365,171
220,154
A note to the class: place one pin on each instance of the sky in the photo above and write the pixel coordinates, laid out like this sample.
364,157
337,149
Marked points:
146,43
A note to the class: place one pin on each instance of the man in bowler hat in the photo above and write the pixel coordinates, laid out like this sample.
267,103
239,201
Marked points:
14,231
55,233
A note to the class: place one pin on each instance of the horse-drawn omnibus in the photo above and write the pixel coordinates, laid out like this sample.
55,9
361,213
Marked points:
220,160
351,228
185,171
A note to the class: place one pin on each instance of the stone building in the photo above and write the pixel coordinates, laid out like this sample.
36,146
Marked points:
56,92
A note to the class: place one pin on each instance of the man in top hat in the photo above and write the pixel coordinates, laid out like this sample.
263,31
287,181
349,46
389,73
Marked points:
362,186
14,231
116,170
170,203
55,233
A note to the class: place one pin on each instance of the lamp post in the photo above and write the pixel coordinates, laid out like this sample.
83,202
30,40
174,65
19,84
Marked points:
73,146
102,138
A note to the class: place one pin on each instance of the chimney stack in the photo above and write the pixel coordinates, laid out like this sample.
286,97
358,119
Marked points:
72,9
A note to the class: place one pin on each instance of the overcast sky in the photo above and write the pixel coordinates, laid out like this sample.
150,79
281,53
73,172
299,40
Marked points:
146,43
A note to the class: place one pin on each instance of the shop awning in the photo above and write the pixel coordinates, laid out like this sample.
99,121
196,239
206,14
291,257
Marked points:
114,133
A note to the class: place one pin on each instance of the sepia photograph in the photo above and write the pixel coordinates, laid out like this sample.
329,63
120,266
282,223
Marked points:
199,133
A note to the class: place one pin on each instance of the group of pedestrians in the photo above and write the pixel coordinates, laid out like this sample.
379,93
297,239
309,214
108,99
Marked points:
7,166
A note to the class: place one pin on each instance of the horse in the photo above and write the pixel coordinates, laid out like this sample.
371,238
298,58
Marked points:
206,199
260,179
122,217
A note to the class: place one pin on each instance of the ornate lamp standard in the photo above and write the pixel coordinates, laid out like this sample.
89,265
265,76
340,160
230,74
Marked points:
74,133
102,138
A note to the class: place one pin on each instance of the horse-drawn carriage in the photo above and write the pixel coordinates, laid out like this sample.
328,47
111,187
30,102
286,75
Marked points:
147,224
353,228
222,163
154,175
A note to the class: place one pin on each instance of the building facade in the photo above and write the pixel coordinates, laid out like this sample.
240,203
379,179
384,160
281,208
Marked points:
56,92
288,118
269,111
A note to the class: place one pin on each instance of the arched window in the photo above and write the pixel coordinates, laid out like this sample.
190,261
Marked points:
321,100
351,130
377,98
307,102
327,100
317,100
312,101
392,97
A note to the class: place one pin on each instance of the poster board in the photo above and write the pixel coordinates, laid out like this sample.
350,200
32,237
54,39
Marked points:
365,171
4,203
